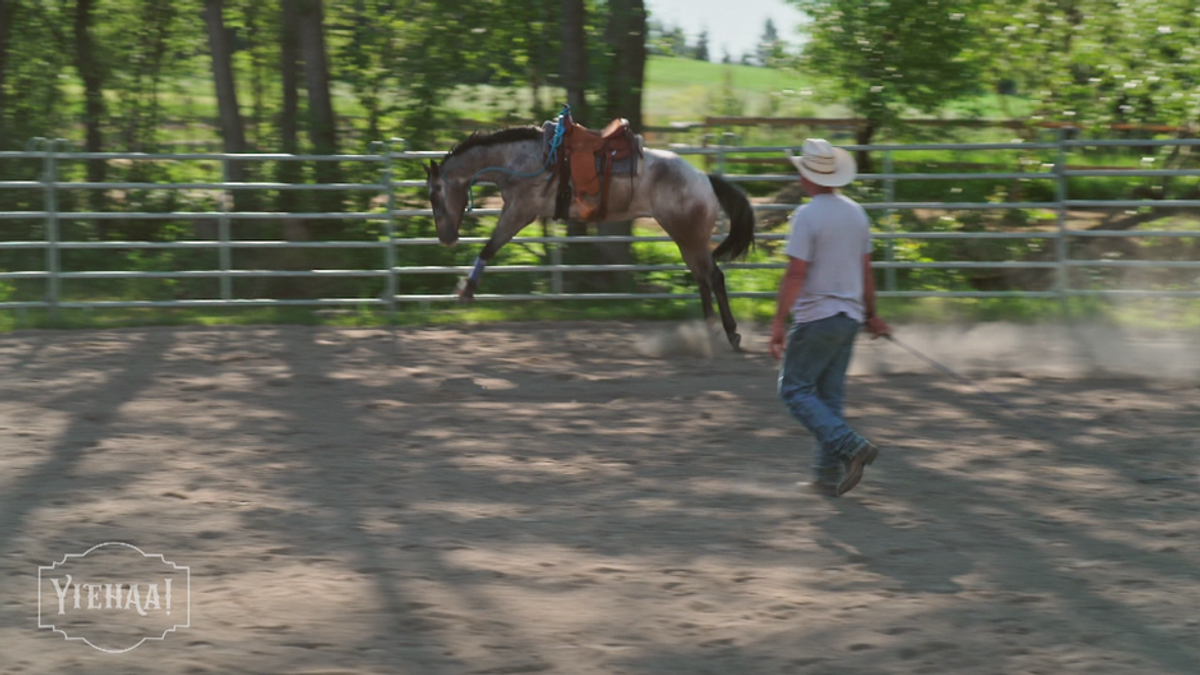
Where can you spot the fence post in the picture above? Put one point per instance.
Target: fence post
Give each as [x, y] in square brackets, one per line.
[889, 195]
[728, 139]
[53, 253]
[223, 234]
[1060, 242]
[389, 226]
[556, 259]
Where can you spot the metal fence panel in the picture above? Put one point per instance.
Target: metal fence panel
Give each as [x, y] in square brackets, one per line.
[387, 156]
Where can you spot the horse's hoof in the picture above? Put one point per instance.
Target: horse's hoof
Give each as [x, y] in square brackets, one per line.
[735, 341]
[465, 292]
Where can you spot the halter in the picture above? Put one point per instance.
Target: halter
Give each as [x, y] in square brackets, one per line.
[551, 159]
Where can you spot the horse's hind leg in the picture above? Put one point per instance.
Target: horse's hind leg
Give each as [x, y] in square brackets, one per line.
[711, 280]
[730, 325]
[699, 262]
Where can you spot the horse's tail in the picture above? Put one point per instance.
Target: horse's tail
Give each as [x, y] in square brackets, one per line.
[741, 220]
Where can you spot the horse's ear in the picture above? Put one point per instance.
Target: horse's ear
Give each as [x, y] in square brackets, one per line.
[432, 169]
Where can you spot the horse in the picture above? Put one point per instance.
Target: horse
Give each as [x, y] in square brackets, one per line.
[679, 196]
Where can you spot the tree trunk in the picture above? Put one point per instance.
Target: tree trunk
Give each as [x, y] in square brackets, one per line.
[539, 57]
[88, 65]
[574, 59]
[8, 12]
[292, 172]
[233, 136]
[574, 76]
[578, 254]
[254, 42]
[626, 33]
[289, 172]
[863, 136]
[322, 129]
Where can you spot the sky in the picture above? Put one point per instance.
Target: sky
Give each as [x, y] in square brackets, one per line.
[735, 25]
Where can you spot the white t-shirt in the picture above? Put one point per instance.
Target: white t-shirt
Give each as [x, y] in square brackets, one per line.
[831, 233]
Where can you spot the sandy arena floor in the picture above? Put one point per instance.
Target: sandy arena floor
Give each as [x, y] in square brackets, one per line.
[606, 498]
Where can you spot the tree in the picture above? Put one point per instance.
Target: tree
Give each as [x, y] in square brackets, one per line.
[89, 64]
[366, 55]
[289, 128]
[700, 53]
[654, 38]
[1097, 62]
[575, 80]
[8, 12]
[258, 41]
[322, 125]
[542, 48]
[141, 60]
[626, 63]
[233, 136]
[574, 57]
[770, 47]
[674, 42]
[887, 57]
[664, 40]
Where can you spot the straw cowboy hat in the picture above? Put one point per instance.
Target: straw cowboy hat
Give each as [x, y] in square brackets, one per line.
[824, 164]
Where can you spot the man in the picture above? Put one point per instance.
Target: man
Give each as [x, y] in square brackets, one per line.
[829, 291]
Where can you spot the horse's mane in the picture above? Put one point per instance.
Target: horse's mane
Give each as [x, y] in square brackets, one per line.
[481, 139]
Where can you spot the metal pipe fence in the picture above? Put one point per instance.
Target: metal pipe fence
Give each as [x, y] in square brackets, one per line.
[1050, 168]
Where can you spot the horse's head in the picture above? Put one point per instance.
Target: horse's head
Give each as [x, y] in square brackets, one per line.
[449, 200]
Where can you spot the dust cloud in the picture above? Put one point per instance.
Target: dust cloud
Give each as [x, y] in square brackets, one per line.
[1008, 349]
[979, 350]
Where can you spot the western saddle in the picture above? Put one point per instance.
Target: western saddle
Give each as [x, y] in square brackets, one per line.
[586, 163]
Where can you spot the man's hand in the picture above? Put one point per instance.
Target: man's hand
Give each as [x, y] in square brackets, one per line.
[778, 340]
[789, 289]
[877, 327]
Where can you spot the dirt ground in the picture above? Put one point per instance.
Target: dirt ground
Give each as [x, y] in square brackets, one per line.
[606, 498]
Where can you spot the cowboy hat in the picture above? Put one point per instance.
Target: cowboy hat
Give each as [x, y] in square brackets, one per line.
[824, 164]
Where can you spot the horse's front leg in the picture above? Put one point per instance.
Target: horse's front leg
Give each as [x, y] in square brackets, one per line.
[512, 221]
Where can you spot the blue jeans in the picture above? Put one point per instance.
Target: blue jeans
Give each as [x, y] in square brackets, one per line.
[812, 383]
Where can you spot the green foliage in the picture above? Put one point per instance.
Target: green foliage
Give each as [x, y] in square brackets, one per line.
[772, 50]
[666, 41]
[33, 96]
[366, 45]
[888, 57]
[1094, 62]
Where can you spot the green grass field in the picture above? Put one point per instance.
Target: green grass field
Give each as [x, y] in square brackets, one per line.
[685, 90]
[676, 90]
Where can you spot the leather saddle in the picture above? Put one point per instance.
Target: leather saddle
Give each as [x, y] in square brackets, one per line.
[587, 161]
